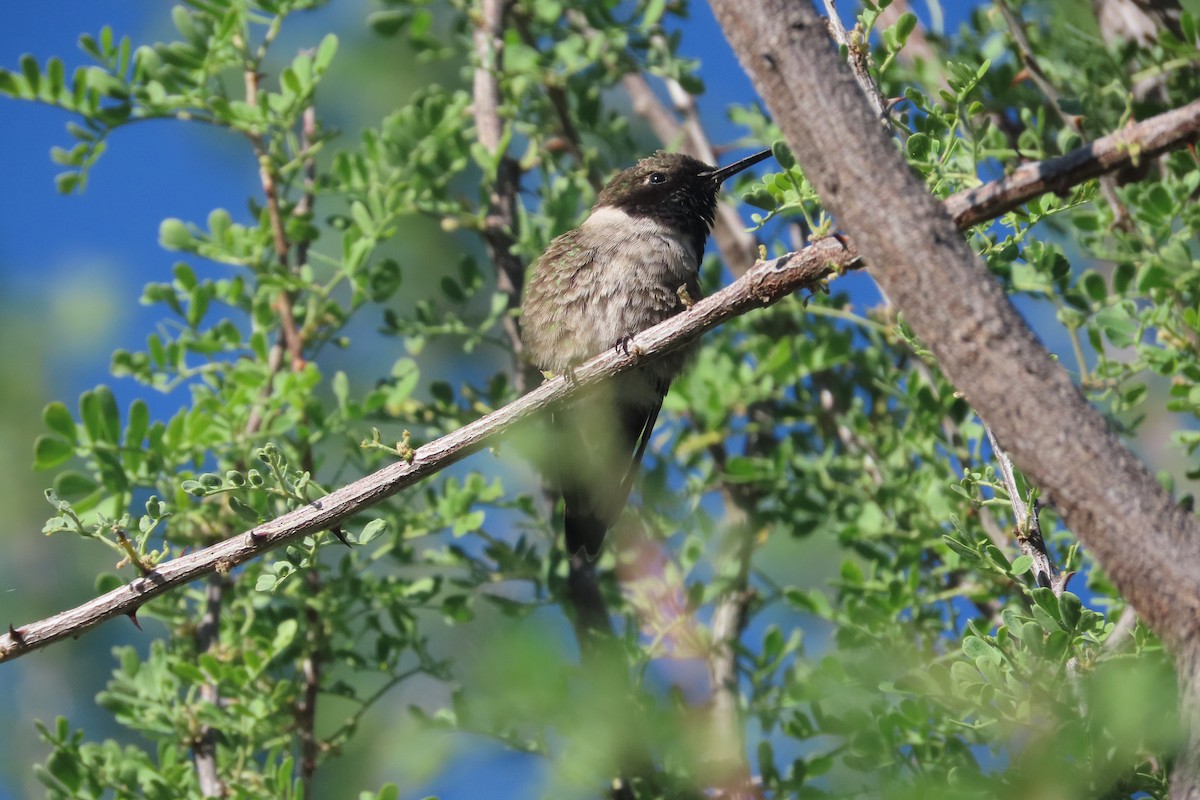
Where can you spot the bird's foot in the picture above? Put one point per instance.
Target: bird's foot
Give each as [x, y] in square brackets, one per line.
[685, 297]
[626, 346]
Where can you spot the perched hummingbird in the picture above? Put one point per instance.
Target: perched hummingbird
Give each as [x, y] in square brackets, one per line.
[633, 263]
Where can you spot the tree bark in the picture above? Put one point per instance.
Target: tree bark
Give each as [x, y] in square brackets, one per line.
[1147, 543]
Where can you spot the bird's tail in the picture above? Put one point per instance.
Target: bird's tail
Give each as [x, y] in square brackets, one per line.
[584, 529]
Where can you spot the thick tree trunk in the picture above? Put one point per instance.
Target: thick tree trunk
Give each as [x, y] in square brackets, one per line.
[1148, 545]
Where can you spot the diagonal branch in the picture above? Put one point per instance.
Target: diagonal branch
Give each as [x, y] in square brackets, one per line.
[1108, 186]
[1029, 528]
[766, 283]
[858, 58]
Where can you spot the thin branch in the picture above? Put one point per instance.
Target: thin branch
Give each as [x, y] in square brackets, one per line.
[858, 57]
[500, 220]
[310, 678]
[730, 615]
[1108, 186]
[204, 748]
[1029, 538]
[1127, 146]
[207, 636]
[270, 187]
[304, 208]
[1029, 528]
[310, 666]
[766, 283]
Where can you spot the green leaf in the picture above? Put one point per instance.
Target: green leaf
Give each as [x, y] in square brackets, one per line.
[973, 647]
[101, 419]
[138, 424]
[1094, 286]
[67, 182]
[1117, 323]
[66, 769]
[1071, 609]
[783, 155]
[362, 218]
[963, 549]
[919, 146]
[173, 234]
[58, 419]
[1021, 565]
[285, 634]
[33, 76]
[371, 530]
[244, 511]
[9, 84]
[760, 198]
[654, 13]
[389, 22]
[1046, 601]
[406, 375]
[74, 486]
[325, 53]
[50, 451]
[904, 28]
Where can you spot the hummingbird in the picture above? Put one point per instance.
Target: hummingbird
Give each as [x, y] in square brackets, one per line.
[632, 263]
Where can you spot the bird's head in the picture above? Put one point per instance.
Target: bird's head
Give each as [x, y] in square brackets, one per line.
[672, 187]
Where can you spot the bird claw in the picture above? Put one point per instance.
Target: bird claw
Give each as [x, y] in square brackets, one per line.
[685, 297]
[626, 346]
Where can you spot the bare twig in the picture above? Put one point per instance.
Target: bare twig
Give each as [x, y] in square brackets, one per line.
[730, 615]
[766, 283]
[270, 187]
[204, 748]
[1156, 135]
[310, 667]
[500, 221]
[1029, 527]
[207, 635]
[310, 680]
[858, 57]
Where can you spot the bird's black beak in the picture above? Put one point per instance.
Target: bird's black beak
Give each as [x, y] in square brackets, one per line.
[719, 175]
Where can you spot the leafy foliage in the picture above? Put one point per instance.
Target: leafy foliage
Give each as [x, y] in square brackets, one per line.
[815, 467]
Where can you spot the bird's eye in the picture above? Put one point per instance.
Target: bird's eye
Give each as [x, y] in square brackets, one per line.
[657, 177]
